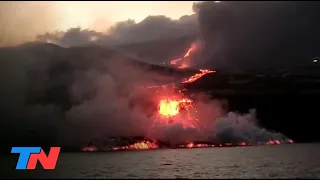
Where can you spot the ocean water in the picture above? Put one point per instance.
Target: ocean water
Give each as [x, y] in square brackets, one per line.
[281, 161]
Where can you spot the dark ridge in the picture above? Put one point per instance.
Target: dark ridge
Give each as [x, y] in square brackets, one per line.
[157, 52]
[285, 102]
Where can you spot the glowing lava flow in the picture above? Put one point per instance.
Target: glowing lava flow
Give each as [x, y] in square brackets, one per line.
[169, 108]
[204, 145]
[148, 145]
[180, 63]
[143, 145]
[197, 76]
[89, 149]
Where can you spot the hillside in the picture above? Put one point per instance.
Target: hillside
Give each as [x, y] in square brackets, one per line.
[45, 83]
[49, 70]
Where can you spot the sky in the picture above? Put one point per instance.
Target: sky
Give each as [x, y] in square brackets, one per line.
[98, 15]
[23, 20]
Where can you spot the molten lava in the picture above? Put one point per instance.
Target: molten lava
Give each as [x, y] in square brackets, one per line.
[194, 145]
[138, 146]
[181, 62]
[191, 49]
[148, 145]
[197, 76]
[243, 144]
[89, 149]
[169, 108]
[273, 142]
[190, 145]
[176, 61]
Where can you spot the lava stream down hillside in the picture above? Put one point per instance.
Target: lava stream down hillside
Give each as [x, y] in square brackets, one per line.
[176, 108]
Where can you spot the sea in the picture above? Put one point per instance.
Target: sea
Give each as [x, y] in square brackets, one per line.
[268, 161]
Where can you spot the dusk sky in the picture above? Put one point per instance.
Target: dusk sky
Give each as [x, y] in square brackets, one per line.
[99, 14]
[22, 21]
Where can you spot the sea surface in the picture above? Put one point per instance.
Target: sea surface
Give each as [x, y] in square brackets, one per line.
[270, 161]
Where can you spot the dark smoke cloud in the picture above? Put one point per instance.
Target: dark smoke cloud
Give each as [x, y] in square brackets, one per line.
[151, 28]
[243, 35]
[237, 36]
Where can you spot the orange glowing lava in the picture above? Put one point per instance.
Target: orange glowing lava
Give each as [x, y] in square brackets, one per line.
[197, 75]
[181, 62]
[190, 145]
[194, 145]
[174, 62]
[202, 145]
[243, 144]
[169, 108]
[191, 49]
[184, 62]
[143, 145]
[273, 142]
[89, 149]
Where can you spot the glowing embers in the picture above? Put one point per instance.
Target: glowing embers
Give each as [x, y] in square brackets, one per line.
[169, 107]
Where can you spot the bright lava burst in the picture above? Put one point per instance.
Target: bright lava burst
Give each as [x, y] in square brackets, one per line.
[169, 108]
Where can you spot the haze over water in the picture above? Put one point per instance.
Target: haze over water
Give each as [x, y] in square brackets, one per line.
[282, 161]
